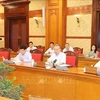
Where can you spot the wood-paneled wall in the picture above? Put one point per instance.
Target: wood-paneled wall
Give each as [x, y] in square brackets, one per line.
[55, 21]
[56, 12]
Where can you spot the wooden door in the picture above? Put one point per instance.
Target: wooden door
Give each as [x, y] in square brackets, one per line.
[17, 34]
[16, 19]
[98, 29]
[96, 23]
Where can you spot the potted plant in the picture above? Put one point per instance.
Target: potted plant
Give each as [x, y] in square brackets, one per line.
[7, 87]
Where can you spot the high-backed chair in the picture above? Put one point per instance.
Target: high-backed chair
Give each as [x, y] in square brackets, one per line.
[41, 48]
[99, 52]
[36, 51]
[78, 50]
[5, 49]
[71, 58]
[37, 56]
[4, 52]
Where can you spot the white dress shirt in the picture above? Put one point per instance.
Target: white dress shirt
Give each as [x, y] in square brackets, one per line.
[26, 56]
[61, 58]
[97, 64]
[70, 49]
[49, 51]
[33, 48]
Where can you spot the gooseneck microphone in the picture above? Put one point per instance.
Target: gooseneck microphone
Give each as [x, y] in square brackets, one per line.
[54, 62]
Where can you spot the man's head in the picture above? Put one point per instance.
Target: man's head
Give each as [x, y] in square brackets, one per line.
[67, 45]
[52, 45]
[31, 44]
[22, 49]
[57, 49]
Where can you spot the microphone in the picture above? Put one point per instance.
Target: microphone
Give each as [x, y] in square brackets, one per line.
[54, 62]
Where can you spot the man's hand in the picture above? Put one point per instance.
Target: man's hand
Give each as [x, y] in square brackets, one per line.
[22, 59]
[51, 64]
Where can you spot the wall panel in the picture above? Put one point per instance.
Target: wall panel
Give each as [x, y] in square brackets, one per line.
[83, 30]
[37, 4]
[36, 32]
[53, 2]
[35, 29]
[87, 9]
[73, 3]
[38, 41]
[1, 27]
[2, 42]
[53, 24]
[1, 9]
[2, 33]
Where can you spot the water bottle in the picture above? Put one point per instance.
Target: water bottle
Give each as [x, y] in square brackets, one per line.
[98, 70]
[32, 63]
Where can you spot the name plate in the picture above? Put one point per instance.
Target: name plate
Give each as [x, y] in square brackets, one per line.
[90, 70]
[38, 98]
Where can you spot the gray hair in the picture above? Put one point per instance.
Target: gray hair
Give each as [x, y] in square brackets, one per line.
[57, 45]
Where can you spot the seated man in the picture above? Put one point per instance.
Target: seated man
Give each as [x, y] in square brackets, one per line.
[68, 48]
[23, 55]
[57, 58]
[31, 47]
[50, 50]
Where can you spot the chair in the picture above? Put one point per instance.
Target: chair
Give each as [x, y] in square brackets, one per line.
[5, 49]
[37, 57]
[36, 51]
[71, 58]
[78, 50]
[40, 48]
[4, 52]
[99, 52]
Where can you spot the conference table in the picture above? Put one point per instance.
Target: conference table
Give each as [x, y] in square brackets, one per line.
[87, 62]
[72, 84]
[82, 62]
